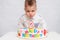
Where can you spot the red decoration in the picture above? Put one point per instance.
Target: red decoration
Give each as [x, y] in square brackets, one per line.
[32, 35]
[45, 32]
[26, 31]
[19, 34]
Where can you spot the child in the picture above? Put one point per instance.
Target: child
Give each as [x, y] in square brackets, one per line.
[31, 19]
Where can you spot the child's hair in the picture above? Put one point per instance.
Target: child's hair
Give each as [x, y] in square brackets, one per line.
[30, 2]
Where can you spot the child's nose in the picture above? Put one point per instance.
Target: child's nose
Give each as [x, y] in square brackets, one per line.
[30, 12]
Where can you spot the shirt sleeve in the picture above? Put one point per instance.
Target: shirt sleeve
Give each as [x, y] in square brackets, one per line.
[20, 23]
[42, 23]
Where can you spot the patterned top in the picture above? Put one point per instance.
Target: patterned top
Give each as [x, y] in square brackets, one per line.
[37, 22]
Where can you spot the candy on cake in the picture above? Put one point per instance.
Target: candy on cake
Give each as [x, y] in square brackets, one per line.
[32, 32]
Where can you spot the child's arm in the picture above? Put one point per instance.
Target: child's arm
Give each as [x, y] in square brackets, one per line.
[20, 23]
[42, 23]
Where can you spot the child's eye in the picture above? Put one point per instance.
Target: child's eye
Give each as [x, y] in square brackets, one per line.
[28, 11]
[33, 10]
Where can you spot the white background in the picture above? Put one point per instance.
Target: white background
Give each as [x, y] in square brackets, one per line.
[11, 10]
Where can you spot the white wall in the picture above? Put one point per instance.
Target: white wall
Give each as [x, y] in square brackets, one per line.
[11, 10]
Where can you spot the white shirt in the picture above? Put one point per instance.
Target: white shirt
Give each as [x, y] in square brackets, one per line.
[37, 21]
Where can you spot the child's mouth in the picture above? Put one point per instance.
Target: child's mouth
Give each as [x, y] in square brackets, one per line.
[31, 16]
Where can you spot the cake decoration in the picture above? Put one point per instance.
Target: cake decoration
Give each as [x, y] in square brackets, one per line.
[32, 32]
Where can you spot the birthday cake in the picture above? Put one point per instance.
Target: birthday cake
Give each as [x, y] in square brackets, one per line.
[31, 32]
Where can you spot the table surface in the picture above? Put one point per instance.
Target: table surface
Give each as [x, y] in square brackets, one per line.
[13, 36]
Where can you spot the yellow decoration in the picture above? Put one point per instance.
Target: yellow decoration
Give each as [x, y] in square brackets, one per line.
[31, 30]
[37, 35]
[26, 35]
[39, 28]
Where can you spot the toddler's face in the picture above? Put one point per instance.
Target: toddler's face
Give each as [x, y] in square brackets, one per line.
[30, 11]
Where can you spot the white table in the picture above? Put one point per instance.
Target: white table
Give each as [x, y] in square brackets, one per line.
[13, 36]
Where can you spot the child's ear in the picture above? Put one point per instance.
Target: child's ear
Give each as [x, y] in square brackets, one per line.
[24, 8]
[36, 8]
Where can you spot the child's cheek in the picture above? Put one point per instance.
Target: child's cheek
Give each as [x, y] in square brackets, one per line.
[27, 14]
